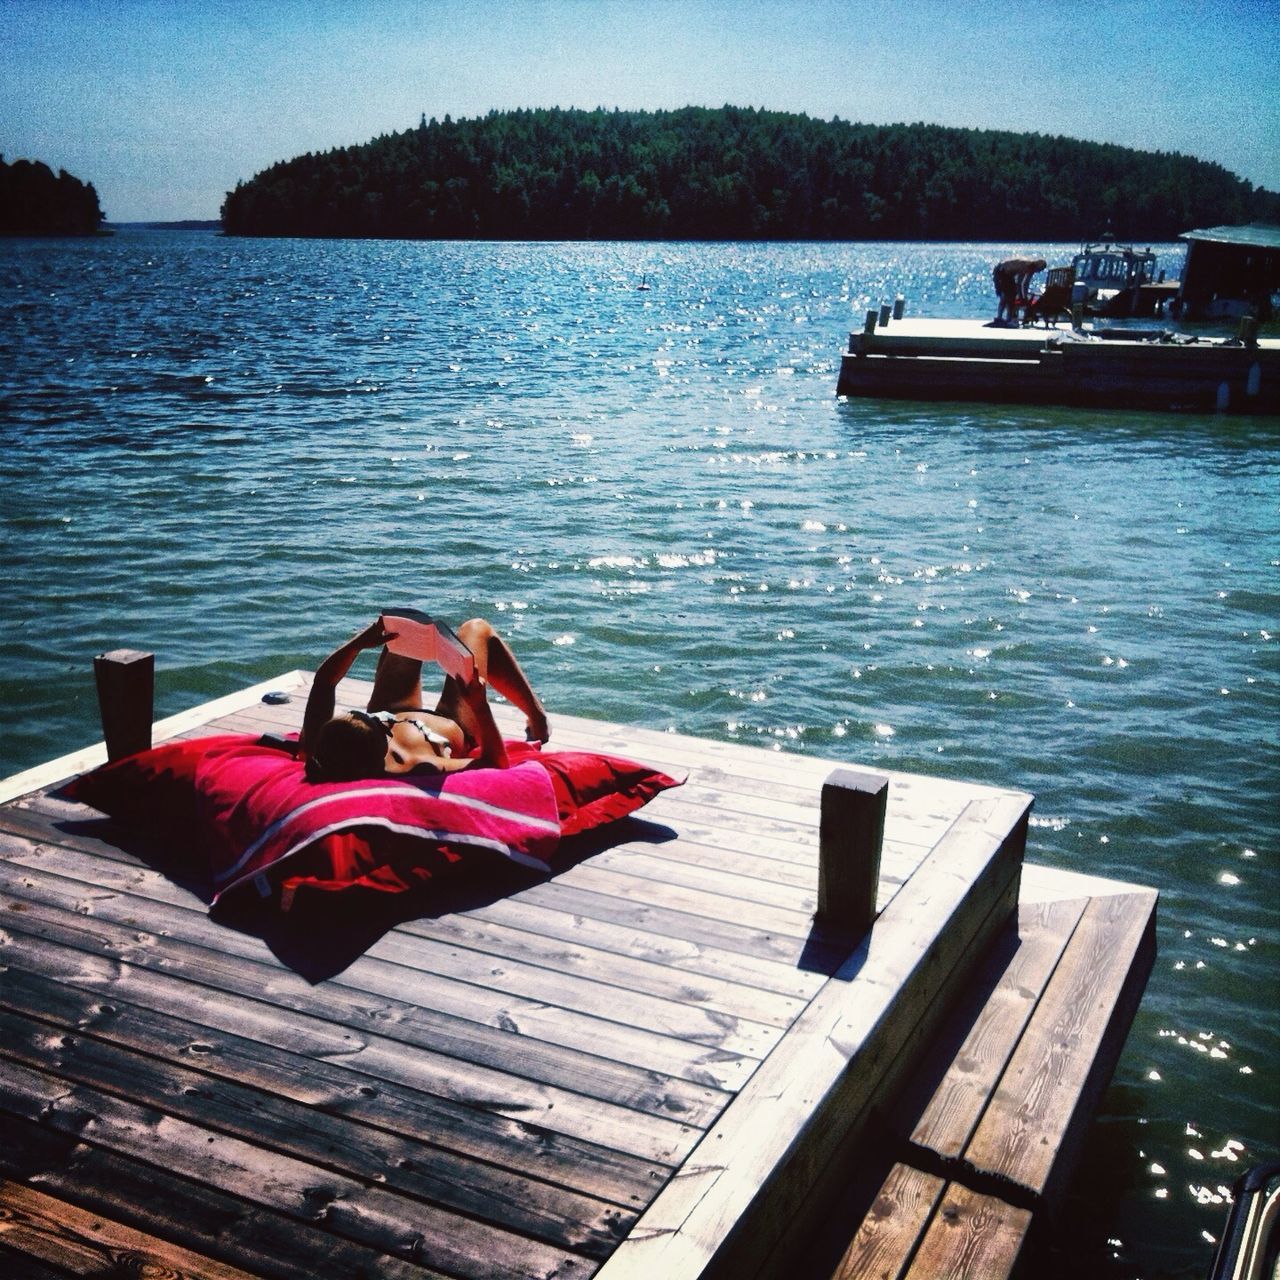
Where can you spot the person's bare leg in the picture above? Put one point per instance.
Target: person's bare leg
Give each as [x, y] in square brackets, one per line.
[468, 707]
[397, 683]
[498, 667]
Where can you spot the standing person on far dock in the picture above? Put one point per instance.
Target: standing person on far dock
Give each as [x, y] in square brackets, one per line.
[1012, 279]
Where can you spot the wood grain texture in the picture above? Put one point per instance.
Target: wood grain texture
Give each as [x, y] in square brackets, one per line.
[1000, 1102]
[736, 1196]
[42, 1228]
[888, 1236]
[654, 1046]
[297, 1188]
[971, 1236]
[1046, 1096]
[1000, 1002]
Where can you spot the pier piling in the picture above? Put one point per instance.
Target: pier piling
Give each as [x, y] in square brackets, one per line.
[126, 681]
[851, 832]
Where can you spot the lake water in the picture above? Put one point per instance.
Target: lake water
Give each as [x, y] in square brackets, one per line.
[232, 453]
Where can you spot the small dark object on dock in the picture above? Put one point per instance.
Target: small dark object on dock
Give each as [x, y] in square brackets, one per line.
[275, 697]
[1055, 301]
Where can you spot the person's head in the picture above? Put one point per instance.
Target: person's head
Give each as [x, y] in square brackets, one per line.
[348, 747]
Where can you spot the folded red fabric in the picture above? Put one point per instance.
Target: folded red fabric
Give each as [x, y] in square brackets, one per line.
[593, 788]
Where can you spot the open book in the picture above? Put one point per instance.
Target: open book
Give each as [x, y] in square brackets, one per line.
[418, 635]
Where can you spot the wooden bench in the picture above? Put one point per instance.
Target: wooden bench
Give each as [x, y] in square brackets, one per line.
[986, 1135]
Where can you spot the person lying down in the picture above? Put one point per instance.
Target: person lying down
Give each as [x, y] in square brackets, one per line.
[397, 734]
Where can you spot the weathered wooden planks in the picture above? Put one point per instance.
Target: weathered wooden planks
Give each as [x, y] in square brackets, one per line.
[39, 1226]
[1032, 1131]
[384, 1033]
[500, 1090]
[302, 1072]
[991, 1125]
[1002, 997]
[889, 1234]
[282, 1180]
[923, 1228]
[195, 1215]
[971, 1235]
[748, 1184]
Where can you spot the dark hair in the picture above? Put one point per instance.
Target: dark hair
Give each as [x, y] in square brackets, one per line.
[347, 748]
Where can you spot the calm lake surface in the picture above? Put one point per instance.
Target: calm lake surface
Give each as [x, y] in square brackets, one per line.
[232, 453]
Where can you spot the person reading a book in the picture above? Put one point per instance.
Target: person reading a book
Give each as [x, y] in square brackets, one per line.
[397, 734]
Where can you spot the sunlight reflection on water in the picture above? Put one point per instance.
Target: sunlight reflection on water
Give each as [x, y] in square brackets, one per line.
[230, 452]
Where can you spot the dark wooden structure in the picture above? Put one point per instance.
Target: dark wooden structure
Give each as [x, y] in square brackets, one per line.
[923, 359]
[1230, 271]
[653, 1063]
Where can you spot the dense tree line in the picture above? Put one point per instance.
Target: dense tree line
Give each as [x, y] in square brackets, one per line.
[33, 202]
[731, 174]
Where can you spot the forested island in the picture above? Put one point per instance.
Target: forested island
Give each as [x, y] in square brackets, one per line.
[35, 202]
[733, 174]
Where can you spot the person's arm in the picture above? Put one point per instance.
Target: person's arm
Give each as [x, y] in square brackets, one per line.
[321, 701]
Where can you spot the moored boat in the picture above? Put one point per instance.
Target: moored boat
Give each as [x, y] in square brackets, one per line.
[1115, 280]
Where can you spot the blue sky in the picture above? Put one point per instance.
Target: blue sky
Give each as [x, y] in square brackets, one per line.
[165, 104]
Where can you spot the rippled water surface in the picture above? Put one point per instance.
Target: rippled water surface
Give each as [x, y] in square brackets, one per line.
[233, 452]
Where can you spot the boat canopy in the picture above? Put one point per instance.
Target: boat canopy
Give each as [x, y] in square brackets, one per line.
[1112, 266]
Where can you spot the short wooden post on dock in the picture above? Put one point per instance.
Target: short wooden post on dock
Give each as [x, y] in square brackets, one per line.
[126, 683]
[851, 832]
[885, 312]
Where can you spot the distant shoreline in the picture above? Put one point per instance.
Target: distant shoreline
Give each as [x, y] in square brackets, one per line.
[185, 224]
[215, 225]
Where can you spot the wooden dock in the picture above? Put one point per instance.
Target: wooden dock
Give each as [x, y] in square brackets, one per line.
[652, 1063]
[926, 359]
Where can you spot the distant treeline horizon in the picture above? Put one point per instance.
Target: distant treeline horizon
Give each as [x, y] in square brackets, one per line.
[734, 174]
[35, 202]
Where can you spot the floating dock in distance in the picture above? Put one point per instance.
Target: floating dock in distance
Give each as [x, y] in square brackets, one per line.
[924, 359]
[652, 1063]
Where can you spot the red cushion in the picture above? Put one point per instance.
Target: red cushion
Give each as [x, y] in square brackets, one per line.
[235, 791]
[258, 813]
[593, 788]
[151, 788]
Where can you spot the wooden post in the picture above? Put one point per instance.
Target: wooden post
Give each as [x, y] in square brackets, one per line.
[1079, 291]
[885, 313]
[126, 681]
[899, 305]
[851, 832]
[869, 325]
